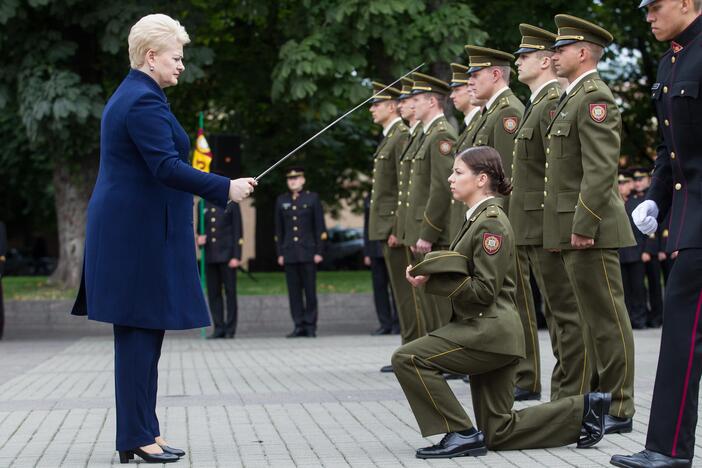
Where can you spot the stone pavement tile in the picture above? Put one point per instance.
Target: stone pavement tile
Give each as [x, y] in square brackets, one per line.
[260, 402]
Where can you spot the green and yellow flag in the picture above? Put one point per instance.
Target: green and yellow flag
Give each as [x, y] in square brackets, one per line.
[202, 155]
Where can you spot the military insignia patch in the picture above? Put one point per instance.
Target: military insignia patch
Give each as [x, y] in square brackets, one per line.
[598, 112]
[491, 243]
[510, 124]
[445, 147]
[551, 114]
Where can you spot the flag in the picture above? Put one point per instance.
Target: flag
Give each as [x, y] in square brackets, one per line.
[202, 155]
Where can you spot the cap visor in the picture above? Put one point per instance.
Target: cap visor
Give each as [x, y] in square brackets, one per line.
[563, 42]
[524, 50]
[474, 69]
[457, 85]
[645, 3]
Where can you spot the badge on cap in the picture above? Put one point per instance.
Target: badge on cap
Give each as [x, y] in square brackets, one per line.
[598, 112]
[491, 243]
[510, 124]
[445, 147]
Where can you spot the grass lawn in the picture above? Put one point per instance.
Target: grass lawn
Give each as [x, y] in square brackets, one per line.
[27, 288]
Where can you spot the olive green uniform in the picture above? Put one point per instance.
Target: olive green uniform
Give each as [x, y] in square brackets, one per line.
[428, 202]
[571, 374]
[458, 209]
[581, 197]
[412, 324]
[381, 221]
[484, 339]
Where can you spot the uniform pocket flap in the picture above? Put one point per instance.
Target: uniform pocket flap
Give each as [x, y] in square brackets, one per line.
[525, 134]
[533, 201]
[567, 202]
[560, 129]
[481, 140]
[688, 89]
[386, 209]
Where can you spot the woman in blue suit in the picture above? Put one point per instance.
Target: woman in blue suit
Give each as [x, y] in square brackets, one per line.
[140, 272]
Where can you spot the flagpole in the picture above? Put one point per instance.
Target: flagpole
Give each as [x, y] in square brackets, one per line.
[201, 215]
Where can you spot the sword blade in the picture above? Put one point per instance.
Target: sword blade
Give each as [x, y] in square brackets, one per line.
[339, 119]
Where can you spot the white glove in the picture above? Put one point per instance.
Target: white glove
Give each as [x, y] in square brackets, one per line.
[644, 217]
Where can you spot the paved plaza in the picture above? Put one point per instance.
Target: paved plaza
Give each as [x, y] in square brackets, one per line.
[252, 402]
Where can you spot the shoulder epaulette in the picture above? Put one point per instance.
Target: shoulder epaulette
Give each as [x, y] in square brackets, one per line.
[590, 85]
[553, 94]
[492, 212]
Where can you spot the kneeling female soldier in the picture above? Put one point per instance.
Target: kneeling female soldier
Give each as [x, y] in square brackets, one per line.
[484, 338]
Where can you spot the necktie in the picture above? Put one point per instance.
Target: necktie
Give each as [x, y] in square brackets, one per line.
[562, 98]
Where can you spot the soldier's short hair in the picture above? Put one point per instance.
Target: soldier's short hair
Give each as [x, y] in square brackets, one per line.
[596, 51]
[506, 72]
[441, 100]
[157, 32]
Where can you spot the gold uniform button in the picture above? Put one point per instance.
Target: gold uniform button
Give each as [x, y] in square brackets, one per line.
[294, 218]
[542, 205]
[545, 179]
[548, 150]
[682, 92]
[294, 207]
[212, 210]
[672, 155]
[407, 204]
[213, 229]
[678, 186]
[514, 153]
[295, 239]
[214, 239]
[545, 193]
[549, 137]
[546, 166]
[480, 314]
[667, 122]
[672, 59]
[665, 89]
[294, 228]
[213, 219]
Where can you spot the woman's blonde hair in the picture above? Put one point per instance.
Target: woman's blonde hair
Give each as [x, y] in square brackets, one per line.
[155, 32]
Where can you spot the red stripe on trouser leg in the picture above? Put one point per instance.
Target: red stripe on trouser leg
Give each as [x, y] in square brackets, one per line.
[687, 375]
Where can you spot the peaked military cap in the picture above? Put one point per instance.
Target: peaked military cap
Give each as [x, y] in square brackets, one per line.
[380, 94]
[482, 57]
[645, 3]
[534, 39]
[572, 29]
[295, 171]
[624, 176]
[459, 75]
[406, 88]
[640, 173]
[428, 84]
[441, 261]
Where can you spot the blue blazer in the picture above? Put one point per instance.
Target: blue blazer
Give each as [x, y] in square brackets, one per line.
[139, 267]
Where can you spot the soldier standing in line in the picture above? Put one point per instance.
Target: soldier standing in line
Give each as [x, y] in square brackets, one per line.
[412, 320]
[223, 238]
[649, 257]
[489, 77]
[464, 101]
[584, 216]
[571, 373]
[429, 198]
[675, 191]
[384, 196]
[630, 260]
[300, 234]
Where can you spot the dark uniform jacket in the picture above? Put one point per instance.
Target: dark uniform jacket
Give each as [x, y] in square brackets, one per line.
[299, 227]
[526, 204]
[386, 167]
[224, 231]
[581, 194]
[677, 178]
[483, 296]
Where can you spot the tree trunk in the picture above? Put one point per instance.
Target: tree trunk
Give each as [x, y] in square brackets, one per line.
[72, 189]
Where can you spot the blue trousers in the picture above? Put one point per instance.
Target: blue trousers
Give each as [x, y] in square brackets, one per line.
[137, 351]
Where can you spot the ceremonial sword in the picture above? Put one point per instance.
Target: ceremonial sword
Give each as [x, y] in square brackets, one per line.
[281, 160]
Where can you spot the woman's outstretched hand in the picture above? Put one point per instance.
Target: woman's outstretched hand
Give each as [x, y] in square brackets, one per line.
[241, 188]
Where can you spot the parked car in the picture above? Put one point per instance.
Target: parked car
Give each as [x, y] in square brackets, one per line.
[344, 249]
[21, 264]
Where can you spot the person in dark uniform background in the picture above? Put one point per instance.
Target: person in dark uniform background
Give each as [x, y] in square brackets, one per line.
[676, 191]
[382, 292]
[649, 257]
[630, 259]
[223, 239]
[300, 235]
[3, 251]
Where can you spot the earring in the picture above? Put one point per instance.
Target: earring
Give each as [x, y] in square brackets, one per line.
[151, 68]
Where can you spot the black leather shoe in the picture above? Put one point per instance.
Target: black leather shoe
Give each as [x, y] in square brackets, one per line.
[230, 335]
[522, 395]
[455, 445]
[615, 425]
[216, 336]
[296, 333]
[649, 459]
[387, 369]
[381, 331]
[310, 334]
[125, 456]
[175, 451]
[594, 411]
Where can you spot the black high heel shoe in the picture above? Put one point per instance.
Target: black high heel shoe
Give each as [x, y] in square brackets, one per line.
[175, 451]
[125, 456]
